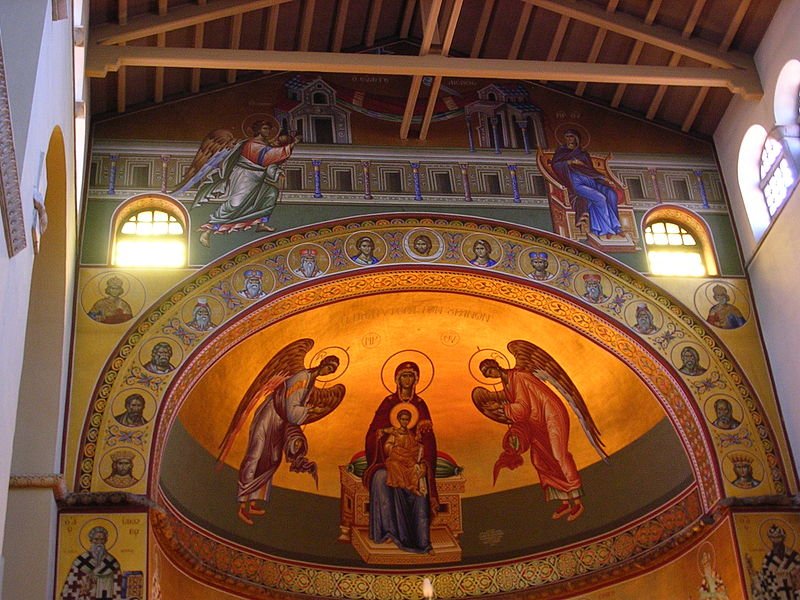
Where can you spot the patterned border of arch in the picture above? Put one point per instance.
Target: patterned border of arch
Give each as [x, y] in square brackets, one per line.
[613, 556]
[681, 395]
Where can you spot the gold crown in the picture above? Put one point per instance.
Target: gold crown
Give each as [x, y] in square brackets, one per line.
[738, 459]
[122, 455]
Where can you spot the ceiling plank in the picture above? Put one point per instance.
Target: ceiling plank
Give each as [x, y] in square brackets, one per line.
[733, 28]
[558, 38]
[122, 12]
[102, 59]
[483, 25]
[657, 35]
[638, 46]
[236, 40]
[597, 45]
[305, 28]
[675, 59]
[519, 34]
[450, 31]
[271, 33]
[372, 22]
[186, 15]
[338, 26]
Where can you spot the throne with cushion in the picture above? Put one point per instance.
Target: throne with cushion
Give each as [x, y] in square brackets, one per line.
[446, 527]
[570, 221]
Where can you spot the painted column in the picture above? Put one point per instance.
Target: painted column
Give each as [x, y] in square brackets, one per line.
[514, 183]
[465, 181]
[164, 162]
[494, 121]
[317, 178]
[112, 174]
[702, 187]
[469, 134]
[417, 185]
[654, 179]
[367, 182]
[523, 125]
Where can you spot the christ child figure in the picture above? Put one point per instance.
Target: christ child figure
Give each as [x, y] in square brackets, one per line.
[405, 467]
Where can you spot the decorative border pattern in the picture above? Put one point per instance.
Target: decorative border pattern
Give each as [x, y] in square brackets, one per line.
[10, 198]
[232, 568]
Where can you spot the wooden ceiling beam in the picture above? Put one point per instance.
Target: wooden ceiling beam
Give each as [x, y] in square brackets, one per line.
[161, 42]
[450, 30]
[636, 51]
[236, 40]
[519, 34]
[597, 45]
[430, 25]
[733, 28]
[408, 16]
[675, 59]
[103, 59]
[186, 15]
[199, 35]
[656, 35]
[305, 27]
[483, 25]
[338, 26]
[372, 22]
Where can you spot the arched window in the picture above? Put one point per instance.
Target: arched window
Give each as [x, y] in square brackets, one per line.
[778, 171]
[678, 242]
[319, 98]
[150, 231]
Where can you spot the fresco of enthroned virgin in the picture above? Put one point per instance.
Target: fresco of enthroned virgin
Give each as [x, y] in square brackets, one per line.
[587, 202]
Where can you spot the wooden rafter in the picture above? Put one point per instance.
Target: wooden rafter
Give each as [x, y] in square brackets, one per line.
[408, 15]
[519, 34]
[430, 21]
[636, 51]
[447, 41]
[199, 35]
[102, 59]
[483, 25]
[339, 25]
[372, 22]
[675, 59]
[235, 41]
[305, 27]
[648, 33]
[597, 45]
[733, 28]
[186, 15]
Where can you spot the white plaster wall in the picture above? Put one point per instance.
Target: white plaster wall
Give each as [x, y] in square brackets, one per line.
[38, 53]
[773, 266]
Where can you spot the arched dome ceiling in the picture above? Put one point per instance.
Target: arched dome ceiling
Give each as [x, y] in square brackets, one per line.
[664, 471]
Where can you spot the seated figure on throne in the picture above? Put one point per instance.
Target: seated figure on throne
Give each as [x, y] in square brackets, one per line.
[401, 474]
[591, 194]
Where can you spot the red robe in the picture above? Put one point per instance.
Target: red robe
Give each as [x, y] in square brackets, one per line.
[538, 412]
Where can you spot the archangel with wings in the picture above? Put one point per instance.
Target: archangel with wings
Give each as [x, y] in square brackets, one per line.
[538, 421]
[243, 174]
[287, 397]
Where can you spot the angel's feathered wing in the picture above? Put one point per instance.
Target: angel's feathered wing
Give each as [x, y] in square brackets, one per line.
[323, 401]
[284, 364]
[214, 148]
[535, 360]
[490, 404]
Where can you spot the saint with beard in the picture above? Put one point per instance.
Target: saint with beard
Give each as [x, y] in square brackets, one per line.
[95, 574]
[201, 316]
[308, 268]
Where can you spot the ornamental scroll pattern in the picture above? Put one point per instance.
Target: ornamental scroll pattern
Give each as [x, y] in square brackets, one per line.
[538, 576]
[560, 293]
